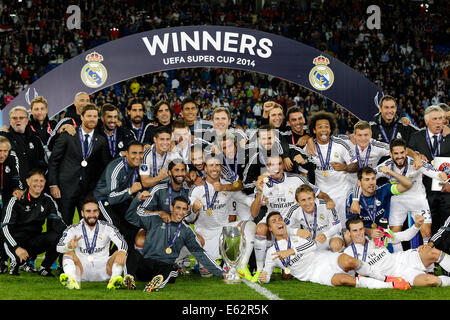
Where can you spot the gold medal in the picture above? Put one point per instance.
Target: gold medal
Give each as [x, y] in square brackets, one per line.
[374, 225]
[209, 212]
[169, 250]
[266, 180]
[287, 271]
[325, 173]
[235, 184]
[84, 163]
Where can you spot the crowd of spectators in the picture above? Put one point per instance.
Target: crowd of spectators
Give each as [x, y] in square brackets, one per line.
[407, 57]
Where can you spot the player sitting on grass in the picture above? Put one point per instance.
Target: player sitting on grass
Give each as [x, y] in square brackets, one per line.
[300, 257]
[412, 264]
[85, 246]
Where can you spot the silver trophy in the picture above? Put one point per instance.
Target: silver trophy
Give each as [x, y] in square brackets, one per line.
[232, 247]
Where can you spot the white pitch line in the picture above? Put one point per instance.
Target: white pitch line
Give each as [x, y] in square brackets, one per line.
[261, 290]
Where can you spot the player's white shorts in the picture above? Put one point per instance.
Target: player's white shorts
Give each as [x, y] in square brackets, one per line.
[400, 205]
[322, 269]
[95, 270]
[212, 239]
[408, 266]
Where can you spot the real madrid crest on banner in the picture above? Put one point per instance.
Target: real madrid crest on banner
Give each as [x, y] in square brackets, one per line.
[321, 76]
[94, 73]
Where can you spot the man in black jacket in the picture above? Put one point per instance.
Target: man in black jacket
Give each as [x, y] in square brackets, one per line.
[76, 164]
[26, 145]
[118, 137]
[39, 123]
[22, 221]
[431, 143]
[387, 125]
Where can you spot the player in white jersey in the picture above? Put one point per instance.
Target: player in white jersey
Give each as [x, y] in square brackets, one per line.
[411, 265]
[414, 200]
[367, 151]
[210, 203]
[310, 218]
[275, 190]
[300, 257]
[85, 246]
[154, 165]
[333, 161]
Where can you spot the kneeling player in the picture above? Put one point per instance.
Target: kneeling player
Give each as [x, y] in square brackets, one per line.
[412, 264]
[300, 257]
[91, 240]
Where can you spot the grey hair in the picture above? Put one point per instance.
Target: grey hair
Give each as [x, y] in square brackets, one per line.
[432, 109]
[18, 108]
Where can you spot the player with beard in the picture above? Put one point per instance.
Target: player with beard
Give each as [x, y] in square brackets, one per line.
[159, 199]
[210, 204]
[411, 265]
[118, 137]
[72, 118]
[162, 114]
[85, 246]
[414, 200]
[163, 243]
[39, 123]
[117, 185]
[196, 167]
[300, 257]
[275, 190]
[138, 123]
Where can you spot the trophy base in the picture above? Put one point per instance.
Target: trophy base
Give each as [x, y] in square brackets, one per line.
[232, 278]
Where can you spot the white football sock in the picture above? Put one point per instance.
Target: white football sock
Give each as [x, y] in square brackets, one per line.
[70, 269]
[445, 281]
[260, 251]
[116, 270]
[249, 233]
[369, 283]
[366, 270]
[444, 261]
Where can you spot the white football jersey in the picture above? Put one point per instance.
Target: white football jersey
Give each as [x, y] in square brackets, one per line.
[106, 233]
[327, 221]
[281, 196]
[418, 189]
[330, 181]
[220, 208]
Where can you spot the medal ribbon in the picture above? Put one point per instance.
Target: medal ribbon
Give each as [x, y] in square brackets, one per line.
[126, 167]
[90, 247]
[355, 252]
[112, 142]
[366, 160]
[171, 242]
[209, 205]
[372, 213]
[286, 262]
[234, 177]
[325, 165]
[313, 230]
[155, 166]
[383, 132]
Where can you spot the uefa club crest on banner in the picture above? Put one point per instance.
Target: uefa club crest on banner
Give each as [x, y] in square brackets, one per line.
[321, 77]
[94, 73]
